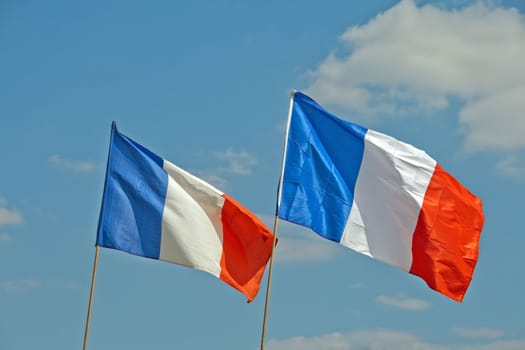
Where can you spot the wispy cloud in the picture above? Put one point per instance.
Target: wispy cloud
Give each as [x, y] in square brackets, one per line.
[383, 339]
[298, 244]
[296, 250]
[213, 179]
[229, 162]
[403, 302]
[434, 54]
[26, 284]
[72, 165]
[61, 284]
[358, 285]
[478, 333]
[360, 340]
[9, 216]
[281, 127]
[511, 166]
[21, 285]
[238, 162]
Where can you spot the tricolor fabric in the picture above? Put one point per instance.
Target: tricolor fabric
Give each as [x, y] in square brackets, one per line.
[154, 209]
[381, 197]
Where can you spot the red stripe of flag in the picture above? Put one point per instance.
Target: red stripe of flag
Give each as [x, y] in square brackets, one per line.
[446, 239]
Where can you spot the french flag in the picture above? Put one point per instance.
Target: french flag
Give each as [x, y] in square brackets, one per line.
[154, 209]
[380, 197]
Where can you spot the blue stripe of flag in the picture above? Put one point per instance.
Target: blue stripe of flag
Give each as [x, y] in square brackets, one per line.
[323, 158]
[133, 201]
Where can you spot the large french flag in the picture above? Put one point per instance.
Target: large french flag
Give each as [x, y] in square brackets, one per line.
[154, 209]
[379, 196]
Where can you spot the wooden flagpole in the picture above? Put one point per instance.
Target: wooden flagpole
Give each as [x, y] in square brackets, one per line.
[276, 221]
[93, 278]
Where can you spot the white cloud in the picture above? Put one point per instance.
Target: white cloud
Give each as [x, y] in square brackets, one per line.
[229, 162]
[382, 339]
[9, 216]
[239, 163]
[403, 302]
[4, 237]
[358, 285]
[72, 165]
[62, 284]
[478, 333]
[25, 284]
[496, 121]
[299, 244]
[498, 345]
[511, 166]
[22, 285]
[412, 59]
[359, 340]
[295, 250]
[213, 179]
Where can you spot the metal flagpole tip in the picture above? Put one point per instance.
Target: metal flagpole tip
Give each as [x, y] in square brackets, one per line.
[292, 92]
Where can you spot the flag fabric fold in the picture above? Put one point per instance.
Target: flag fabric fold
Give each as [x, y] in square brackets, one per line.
[379, 196]
[154, 209]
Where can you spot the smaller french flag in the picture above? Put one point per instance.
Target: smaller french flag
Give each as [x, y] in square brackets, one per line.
[154, 209]
[381, 197]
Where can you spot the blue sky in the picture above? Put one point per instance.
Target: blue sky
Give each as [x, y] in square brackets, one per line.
[206, 85]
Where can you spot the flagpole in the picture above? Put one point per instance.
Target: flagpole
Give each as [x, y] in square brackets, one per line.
[276, 221]
[93, 277]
